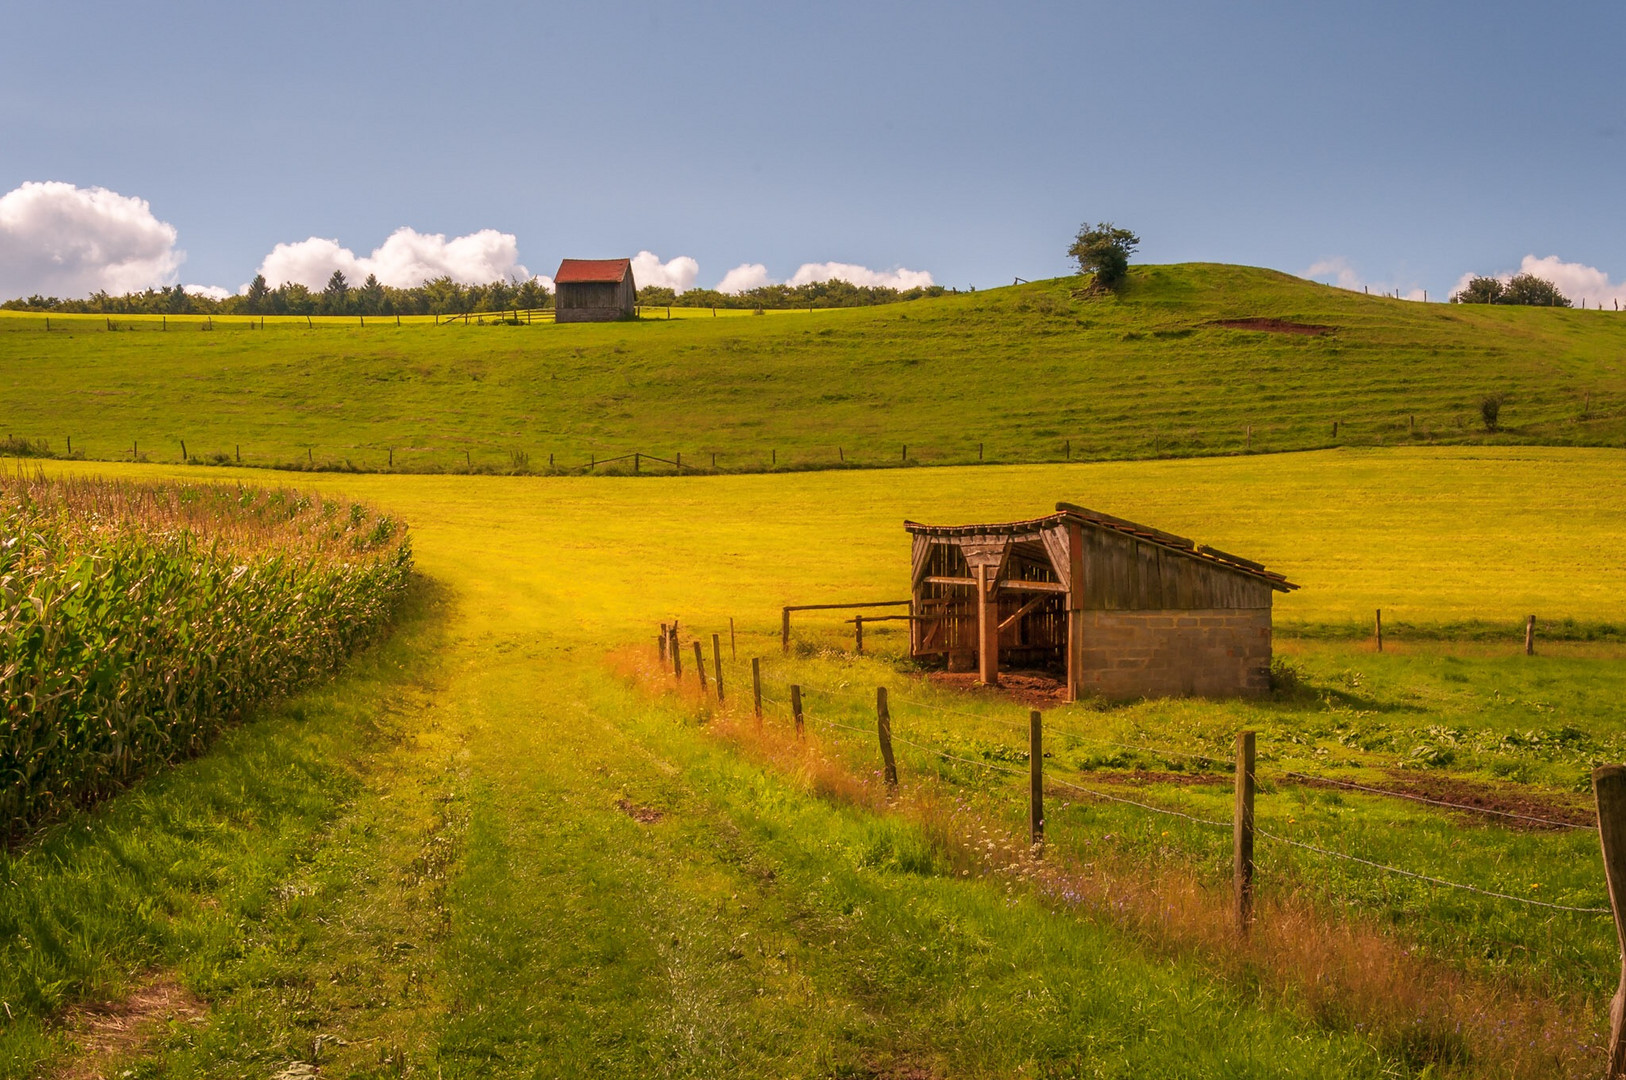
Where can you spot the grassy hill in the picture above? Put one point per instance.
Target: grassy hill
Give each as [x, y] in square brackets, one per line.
[1028, 373]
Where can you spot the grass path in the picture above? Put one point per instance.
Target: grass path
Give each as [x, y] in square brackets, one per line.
[425, 868]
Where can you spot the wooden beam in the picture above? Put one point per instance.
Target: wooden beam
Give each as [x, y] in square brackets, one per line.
[963, 582]
[987, 626]
[1021, 611]
[1051, 587]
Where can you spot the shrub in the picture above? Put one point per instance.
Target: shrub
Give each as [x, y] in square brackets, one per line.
[1490, 410]
[137, 621]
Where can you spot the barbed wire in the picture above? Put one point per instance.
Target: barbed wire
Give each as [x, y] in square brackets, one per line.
[1386, 868]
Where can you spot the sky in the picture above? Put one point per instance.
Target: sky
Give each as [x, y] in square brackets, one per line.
[1395, 147]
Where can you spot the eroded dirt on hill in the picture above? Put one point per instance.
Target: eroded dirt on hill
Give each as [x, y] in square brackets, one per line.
[1032, 688]
[1503, 804]
[1274, 326]
[107, 1033]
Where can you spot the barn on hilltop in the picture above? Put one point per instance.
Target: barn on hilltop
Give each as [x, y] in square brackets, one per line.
[594, 290]
[1129, 611]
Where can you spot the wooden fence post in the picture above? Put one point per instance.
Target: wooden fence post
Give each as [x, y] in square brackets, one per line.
[784, 630]
[756, 687]
[1035, 778]
[717, 664]
[1609, 789]
[677, 655]
[663, 644]
[1242, 831]
[883, 727]
[858, 634]
[183, 449]
[1377, 628]
[700, 664]
[796, 708]
[1530, 636]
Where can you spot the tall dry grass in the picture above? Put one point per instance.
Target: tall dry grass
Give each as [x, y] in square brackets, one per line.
[138, 620]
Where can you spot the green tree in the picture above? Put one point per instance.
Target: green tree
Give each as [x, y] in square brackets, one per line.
[1480, 290]
[336, 294]
[1104, 250]
[1526, 289]
[370, 297]
[254, 301]
[531, 295]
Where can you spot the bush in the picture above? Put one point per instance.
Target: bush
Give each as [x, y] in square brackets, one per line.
[1490, 410]
[137, 621]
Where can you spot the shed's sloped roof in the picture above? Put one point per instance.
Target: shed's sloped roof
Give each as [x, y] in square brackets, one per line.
[1068, 512]
[581, 271]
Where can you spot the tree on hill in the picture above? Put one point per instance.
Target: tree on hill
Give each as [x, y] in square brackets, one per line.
[1104, 250]
[1526, 289]
[370, 297]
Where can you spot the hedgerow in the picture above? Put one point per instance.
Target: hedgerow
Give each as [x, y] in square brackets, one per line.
[139, 620]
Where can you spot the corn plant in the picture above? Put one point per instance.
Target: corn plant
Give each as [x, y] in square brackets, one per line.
[138, 620]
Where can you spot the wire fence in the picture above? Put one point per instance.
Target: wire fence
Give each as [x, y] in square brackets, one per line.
[835, 696]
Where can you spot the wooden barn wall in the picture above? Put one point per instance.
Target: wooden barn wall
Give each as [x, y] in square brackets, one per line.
[1124, 574]
[589, 294]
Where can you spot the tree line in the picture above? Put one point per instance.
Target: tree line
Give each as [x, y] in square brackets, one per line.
[437, 296]
[834, 293]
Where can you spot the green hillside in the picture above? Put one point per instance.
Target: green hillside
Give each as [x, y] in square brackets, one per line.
[1027, 373]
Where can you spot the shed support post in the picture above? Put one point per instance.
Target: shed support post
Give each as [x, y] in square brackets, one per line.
[987, 625]
[1075, 612]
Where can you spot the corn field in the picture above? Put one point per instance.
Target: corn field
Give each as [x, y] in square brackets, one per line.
[138, 620]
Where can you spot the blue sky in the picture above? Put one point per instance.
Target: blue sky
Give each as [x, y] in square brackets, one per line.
[1413, 142]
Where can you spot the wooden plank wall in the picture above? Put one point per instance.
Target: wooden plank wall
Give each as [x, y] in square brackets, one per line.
[1125, 574]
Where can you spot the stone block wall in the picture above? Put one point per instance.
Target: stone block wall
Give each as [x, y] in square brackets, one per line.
[1212, 653]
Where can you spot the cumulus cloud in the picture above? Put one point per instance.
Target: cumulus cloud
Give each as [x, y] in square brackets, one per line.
[213, 292]
[748, 276]
[407, 259]
[744, 278]
[677, 275]
[1338, 271]
[808, 273]
[1577, 281]
[61, 240]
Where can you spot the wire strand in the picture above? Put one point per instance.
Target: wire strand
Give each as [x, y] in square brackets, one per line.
[1386, 868]
[1438, 802]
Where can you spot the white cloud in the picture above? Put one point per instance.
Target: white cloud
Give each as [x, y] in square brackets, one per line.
[808, 273]
[1577, 281]
[213, 292]
[743, 278]
[407, 259]
[62, 240]
[677, 275]
[1337, 271]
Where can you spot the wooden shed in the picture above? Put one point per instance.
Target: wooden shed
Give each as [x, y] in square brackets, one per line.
[1126, 610]
[594, 290]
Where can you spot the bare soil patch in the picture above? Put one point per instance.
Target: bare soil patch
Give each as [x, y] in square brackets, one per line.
[1274, 326]
[1143, 777]
[1509, 805]
[108, 1032]
[1034, 688]
[643, 815]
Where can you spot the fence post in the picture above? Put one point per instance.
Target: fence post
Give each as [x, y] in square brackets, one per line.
[677, 655]
[700, 664]
[663, 644]
[1609, 789]
[796, 708]
[1035, 778]
[784, 630]
[1242, 831]
[183, 449]
[756, 687]
[1377, 628]
[1530, 636]
[883, 727]
[858, 634]
[717, 664]
[733, 650]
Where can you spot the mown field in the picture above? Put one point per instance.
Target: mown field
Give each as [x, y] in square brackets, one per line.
[1023, 374]
[505, 845]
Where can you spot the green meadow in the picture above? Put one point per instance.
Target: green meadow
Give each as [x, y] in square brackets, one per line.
[1029, 373]
[506, 843]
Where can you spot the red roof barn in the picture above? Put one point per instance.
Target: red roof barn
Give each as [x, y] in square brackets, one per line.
[594, 290]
